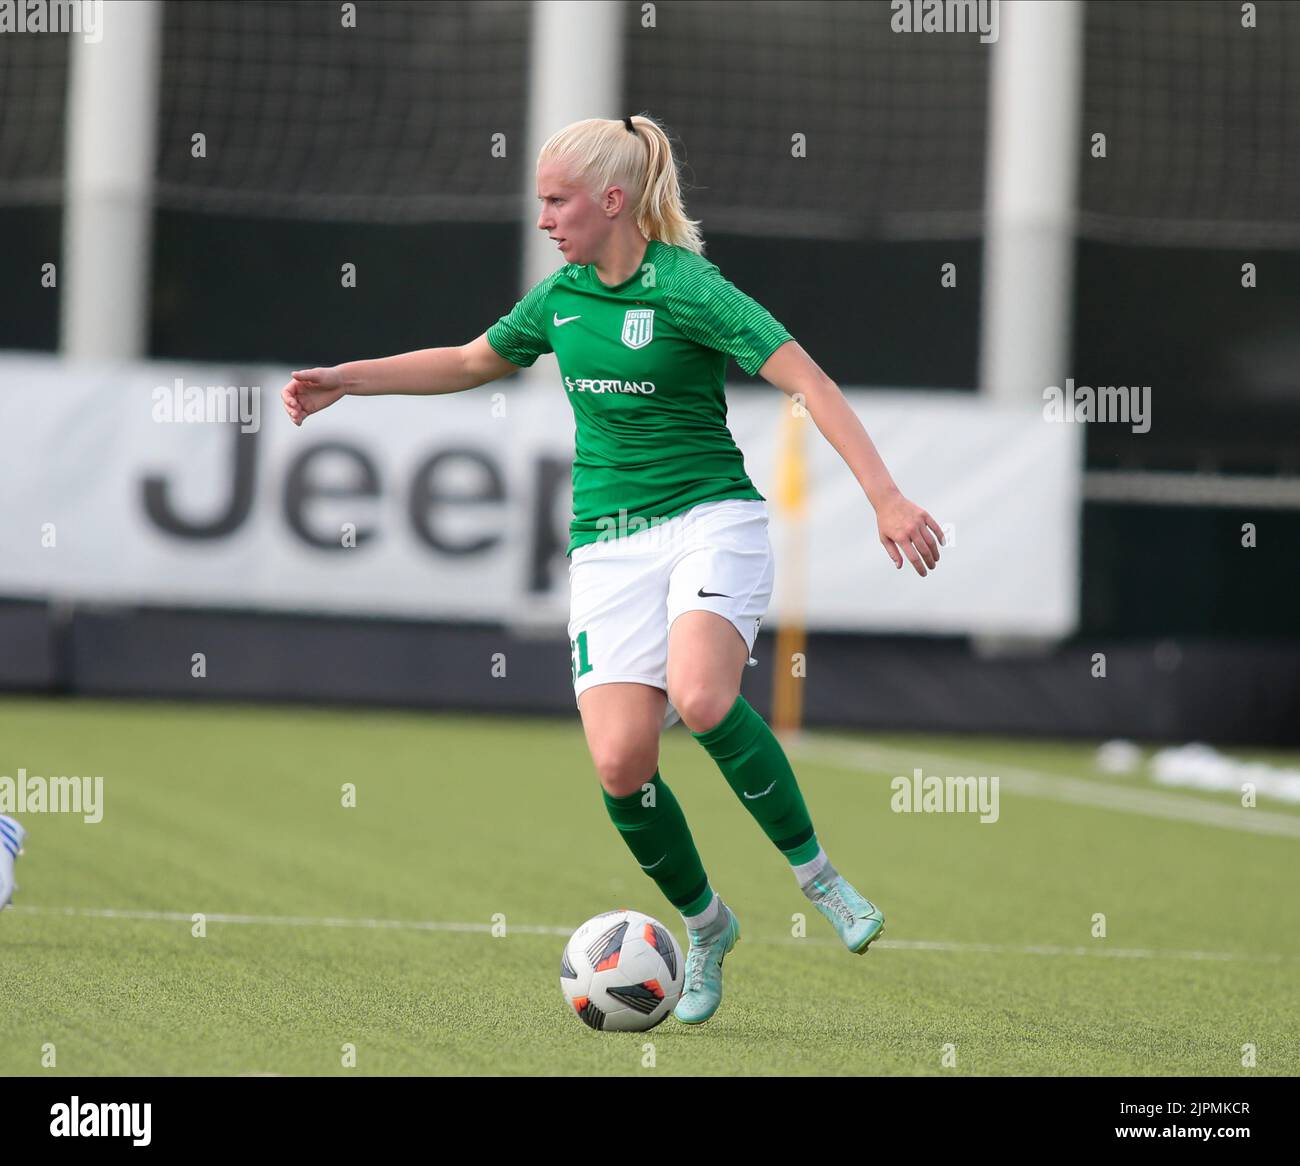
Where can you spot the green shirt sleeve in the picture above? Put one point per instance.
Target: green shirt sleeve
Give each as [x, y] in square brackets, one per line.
[713, 312]
[520, 335]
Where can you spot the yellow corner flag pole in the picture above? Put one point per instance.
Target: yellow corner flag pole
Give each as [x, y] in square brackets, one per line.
[791, 490]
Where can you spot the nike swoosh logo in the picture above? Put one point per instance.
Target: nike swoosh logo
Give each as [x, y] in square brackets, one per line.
[660, 859]
[766, 791]
[566, 319]
[708, 594]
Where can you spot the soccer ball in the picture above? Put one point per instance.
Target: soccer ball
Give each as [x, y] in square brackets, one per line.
[622, 971]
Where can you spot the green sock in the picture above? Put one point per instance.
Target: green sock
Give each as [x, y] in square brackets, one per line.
[661, 842]
[756, 767]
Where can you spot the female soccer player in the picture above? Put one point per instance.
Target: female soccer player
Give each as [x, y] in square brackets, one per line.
[670, 563]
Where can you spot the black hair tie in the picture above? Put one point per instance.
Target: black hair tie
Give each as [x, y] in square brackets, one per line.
[631, 129]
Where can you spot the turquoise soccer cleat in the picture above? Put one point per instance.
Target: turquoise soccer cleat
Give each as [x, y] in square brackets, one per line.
[702, 991]
[856, 918]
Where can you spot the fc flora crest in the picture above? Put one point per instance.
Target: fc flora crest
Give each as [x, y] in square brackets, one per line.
[638, 327]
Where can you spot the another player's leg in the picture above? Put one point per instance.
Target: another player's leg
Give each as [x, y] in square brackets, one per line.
[706, 655]
[623, 722]
[11, 846]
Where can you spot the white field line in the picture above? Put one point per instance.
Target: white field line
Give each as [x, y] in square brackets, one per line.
[1041, 949]
[1053, 787]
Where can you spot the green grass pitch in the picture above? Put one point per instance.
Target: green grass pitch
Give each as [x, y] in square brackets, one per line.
[370, 927]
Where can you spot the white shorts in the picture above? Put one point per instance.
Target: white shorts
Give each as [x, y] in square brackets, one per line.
[626, 592]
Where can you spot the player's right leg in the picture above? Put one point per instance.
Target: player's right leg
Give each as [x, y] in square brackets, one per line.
[623, 722]
[11, 846]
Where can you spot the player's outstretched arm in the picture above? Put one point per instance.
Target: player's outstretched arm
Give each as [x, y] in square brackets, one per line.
[902, 524]
[428, 370]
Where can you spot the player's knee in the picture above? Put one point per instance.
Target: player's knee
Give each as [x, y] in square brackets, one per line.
[702, 707]
[622, 770]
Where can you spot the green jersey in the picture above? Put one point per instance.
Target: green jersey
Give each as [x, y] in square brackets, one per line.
[643, 365]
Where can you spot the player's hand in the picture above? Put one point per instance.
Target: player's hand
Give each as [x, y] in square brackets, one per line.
[310, 391]
[905, 525]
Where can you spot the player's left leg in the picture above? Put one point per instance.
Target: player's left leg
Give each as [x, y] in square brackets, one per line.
[709, 641]
[705, 657]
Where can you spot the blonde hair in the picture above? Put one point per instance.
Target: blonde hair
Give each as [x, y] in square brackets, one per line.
[599, 153]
